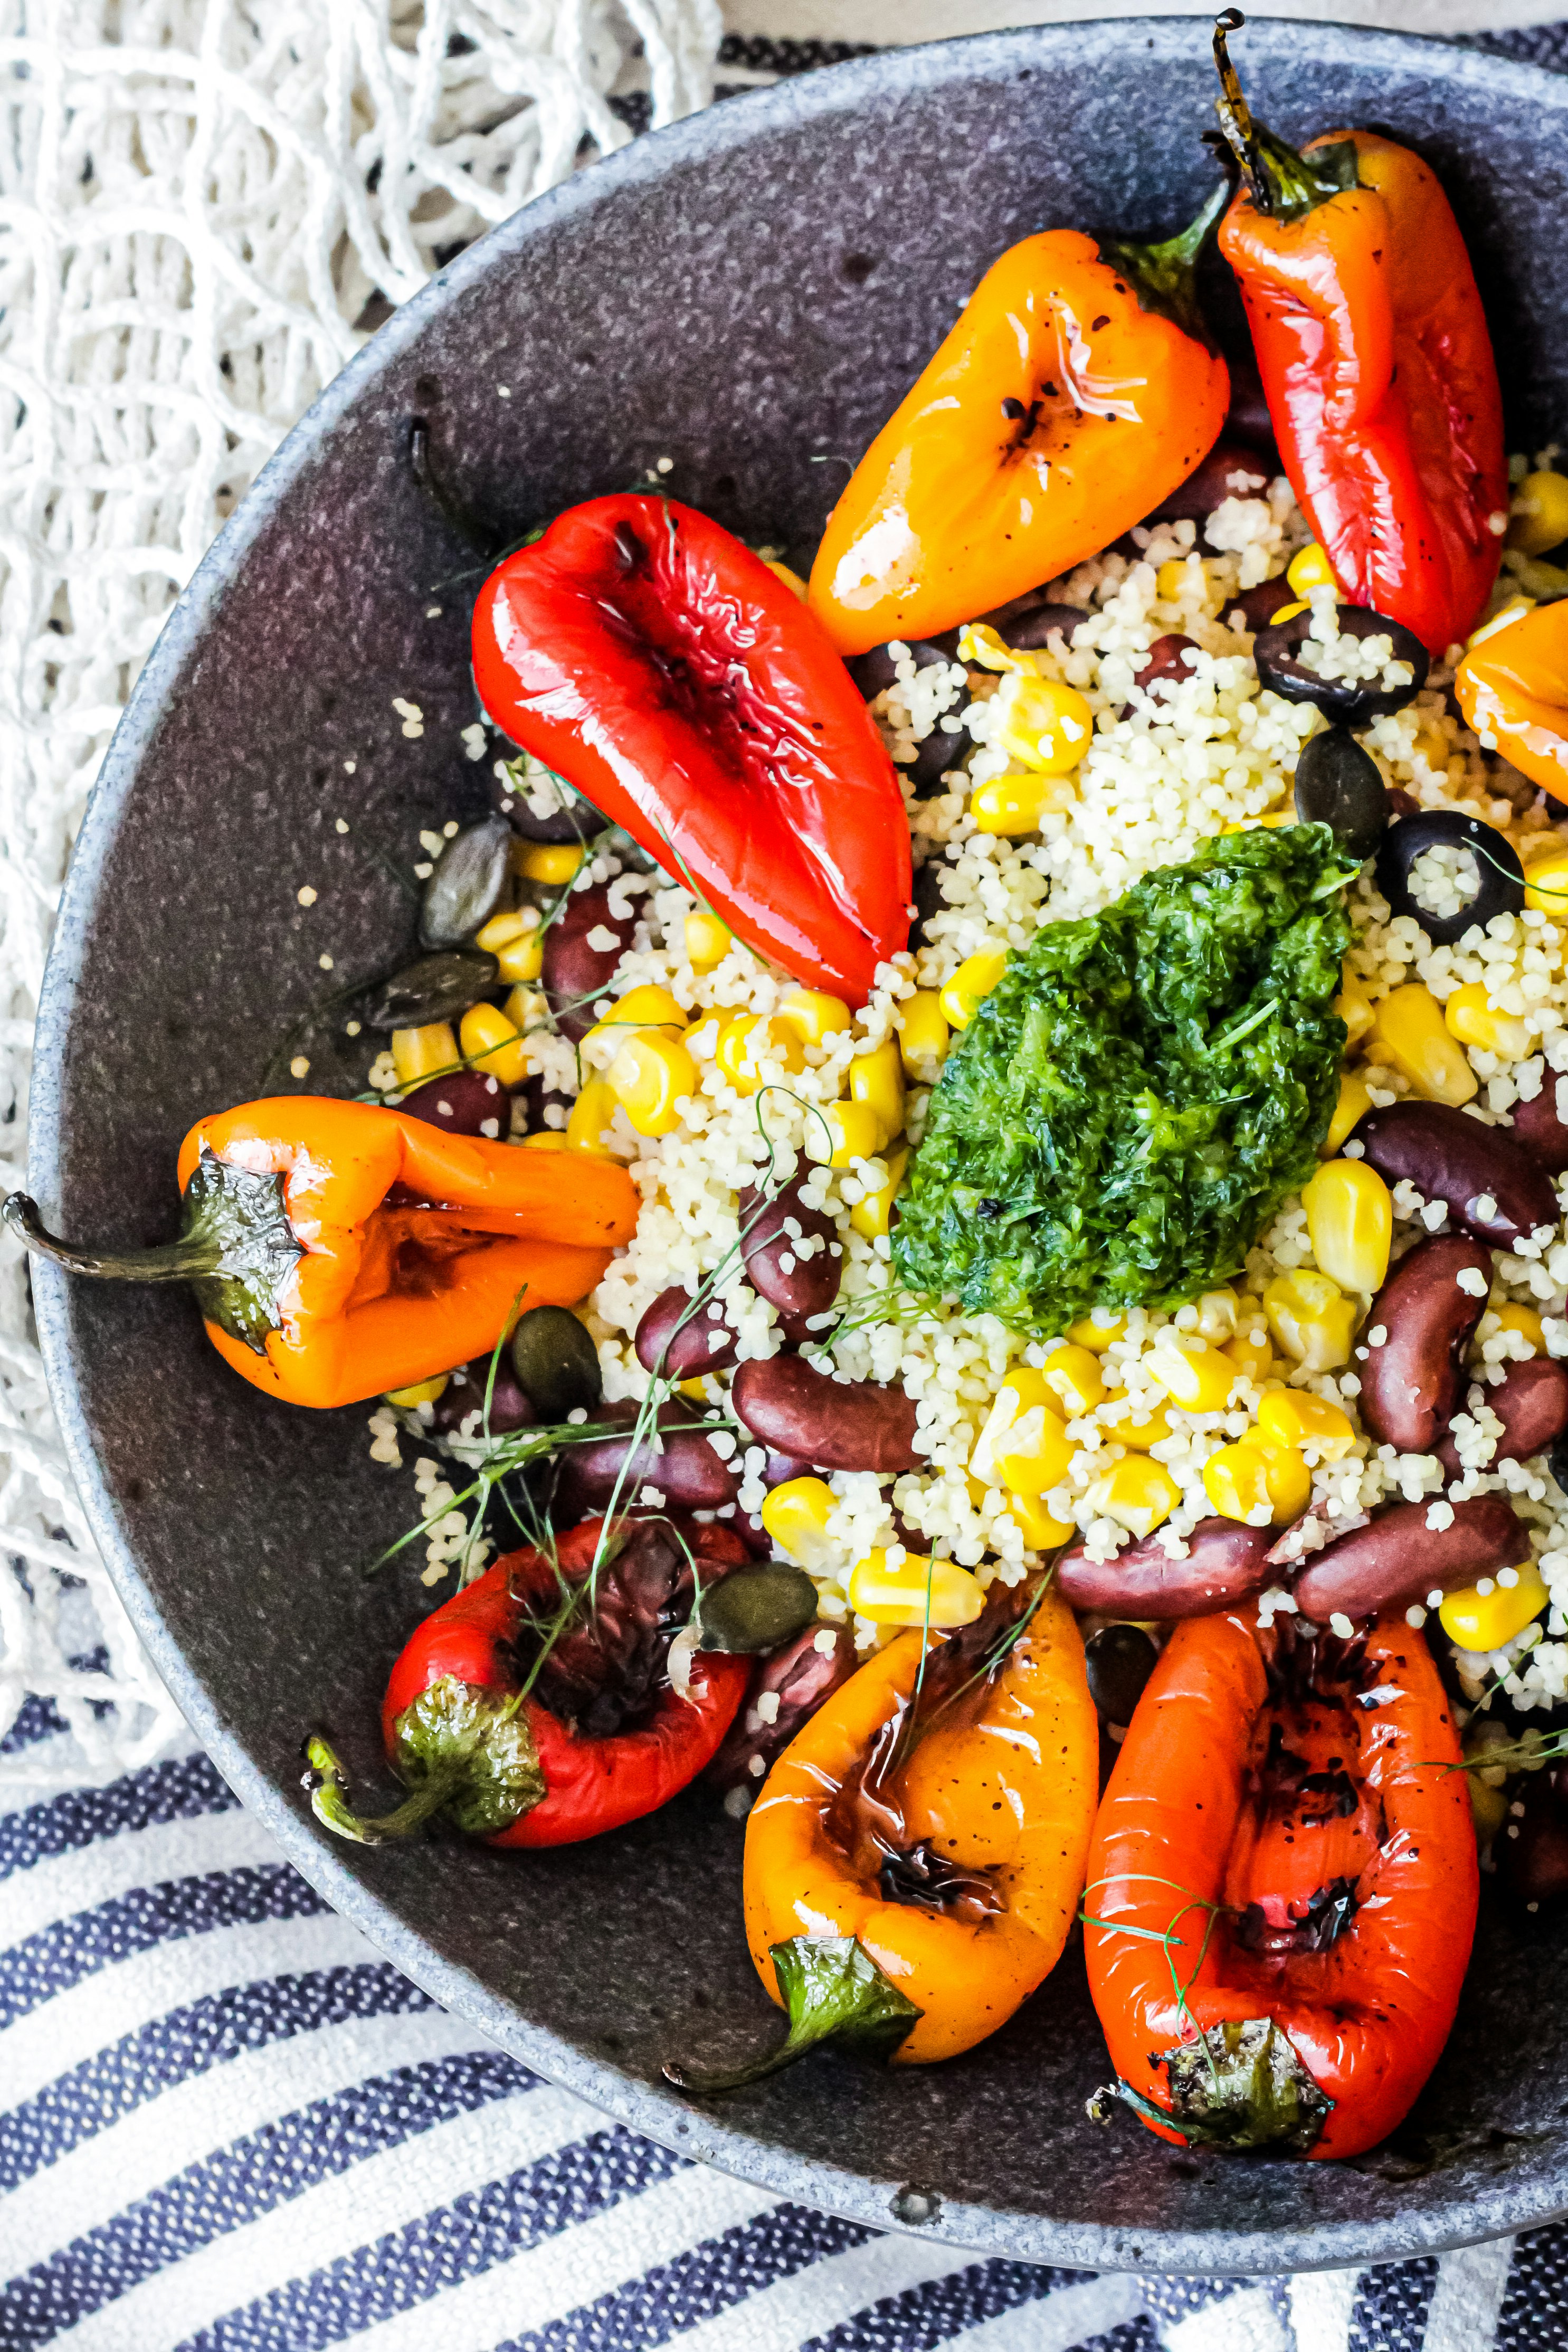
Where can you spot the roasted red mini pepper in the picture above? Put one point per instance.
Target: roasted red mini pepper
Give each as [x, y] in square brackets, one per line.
[338, 1249]
[667, 673]
[1376, 364]
[468, 1738]
[1282, 1886]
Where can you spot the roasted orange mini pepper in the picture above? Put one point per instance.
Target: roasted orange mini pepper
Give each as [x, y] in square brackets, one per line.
[1075, 393]
[1512, 687]
[338, 1249]
[1282, 1886]
[952, 1862]
[1376, 364]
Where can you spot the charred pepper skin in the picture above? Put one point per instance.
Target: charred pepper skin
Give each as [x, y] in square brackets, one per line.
[1362, 2020]
[660, 666]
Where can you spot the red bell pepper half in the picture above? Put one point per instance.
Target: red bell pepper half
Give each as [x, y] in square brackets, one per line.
[1282, 1887]
[664, 670]
[464, 1737]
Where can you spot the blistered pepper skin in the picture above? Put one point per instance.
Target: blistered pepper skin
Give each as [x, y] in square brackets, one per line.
[1056, 414]
[1013, 1794]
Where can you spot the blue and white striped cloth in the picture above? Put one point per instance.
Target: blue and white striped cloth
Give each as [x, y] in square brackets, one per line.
[229, 2126]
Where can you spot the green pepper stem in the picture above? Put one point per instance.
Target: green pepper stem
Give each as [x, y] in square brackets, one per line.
[834, 1991]
[1283, 184]
[1166, 274]
[180, 1261]
[329, 1799]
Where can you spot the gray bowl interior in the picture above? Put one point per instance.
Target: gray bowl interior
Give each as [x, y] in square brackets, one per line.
[745, 294]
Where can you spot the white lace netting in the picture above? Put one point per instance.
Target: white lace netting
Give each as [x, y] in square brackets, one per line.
[204, 207]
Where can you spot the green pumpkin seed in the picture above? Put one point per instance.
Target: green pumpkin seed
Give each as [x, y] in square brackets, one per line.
[556, 1362]
[469, 884]
[432, 989]
[755, 1609]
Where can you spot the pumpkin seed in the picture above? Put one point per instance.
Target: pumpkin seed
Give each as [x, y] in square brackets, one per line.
[432, 989]
[469, 884]
[755, 1609]
[556, 1362]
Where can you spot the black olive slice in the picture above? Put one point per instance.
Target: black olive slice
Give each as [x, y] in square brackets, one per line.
[874, 672]
[1352, 702]
[1028, 628]
[1502, 890]
[1340, 785]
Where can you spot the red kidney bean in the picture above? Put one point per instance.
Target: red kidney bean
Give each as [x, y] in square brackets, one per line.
[875, 671]
[1538, 1128]
[465, 1102]
[771, 1232]
[1028, 628]
[539, 1099]
[575, 973]
[687, 1472]
[1533, 1862]
[1254, 608]
[1226, 1563]
[1211, 483]
[1164, 660]
[1397, 1558]
[1401, 804]
[837, 1425]
[1531, 1402]
[464, 1394]
[1410, 1384]
[805, 1671]
[780, 1468]
[675, 1341]
[1460, 1161]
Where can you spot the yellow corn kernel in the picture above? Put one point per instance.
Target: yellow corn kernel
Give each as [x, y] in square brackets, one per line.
[1286, 613]
[1539, 517]
[548, 861]
[1313, 1320]
[873, 1213]
[546, 1138]
[1038, 1527]
[1251, 1353]
[523, 957]
[1199, 1379]
[980, 644]
[1411, 1038]
[1526, 1322]
[795, 1515]
[491, 1042]
[589, 1124]
[420, 1392]
[747, 1042]
[923, 1035]
[1014, 804]
[854, 1132]
[1024, 1443]
[525, 1008]
[1309, 569]
[1139, 1426]
[1350, 1222]
[1470, 1017]
[935, 1592]
[877, 1079]
[1354, 1008]
[1355, 1102]
[813, 1014]
[1484, 1616]
[640, 1008]
[974, 978]
[493, 936]
[708, 940]
[1217, 1314]
[1096, 1331]
[1074, 1375]
[1047, 727]
[1296, 1417]
[1138, 1494]
[1171, 579]
[421, 1053]
[1546, 883]
[1244, 1480]
[649, 1078]
[792, 580]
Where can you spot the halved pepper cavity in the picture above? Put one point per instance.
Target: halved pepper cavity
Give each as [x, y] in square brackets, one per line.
[1376, 364]
[340, 1249]
[467, 1732]
[659, 666]
[1282, 1887]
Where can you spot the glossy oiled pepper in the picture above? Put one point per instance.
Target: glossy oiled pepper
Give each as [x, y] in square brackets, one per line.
[1075, 393]
[667, 672]
[958, 1871]
[466, 1738]
[1376, 364]
[1512, 687]
[1279, 1810]
[338, 1249]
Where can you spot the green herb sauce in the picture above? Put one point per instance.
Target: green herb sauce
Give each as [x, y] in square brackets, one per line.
[1139, 1093]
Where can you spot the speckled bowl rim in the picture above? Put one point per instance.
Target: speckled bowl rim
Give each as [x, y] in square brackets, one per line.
[733, 125]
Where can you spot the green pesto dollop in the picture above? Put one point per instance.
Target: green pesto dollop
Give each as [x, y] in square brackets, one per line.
[1139, 1093]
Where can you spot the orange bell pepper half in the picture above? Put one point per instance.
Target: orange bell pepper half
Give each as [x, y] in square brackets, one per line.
[340, 1249]
[1512, 687]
